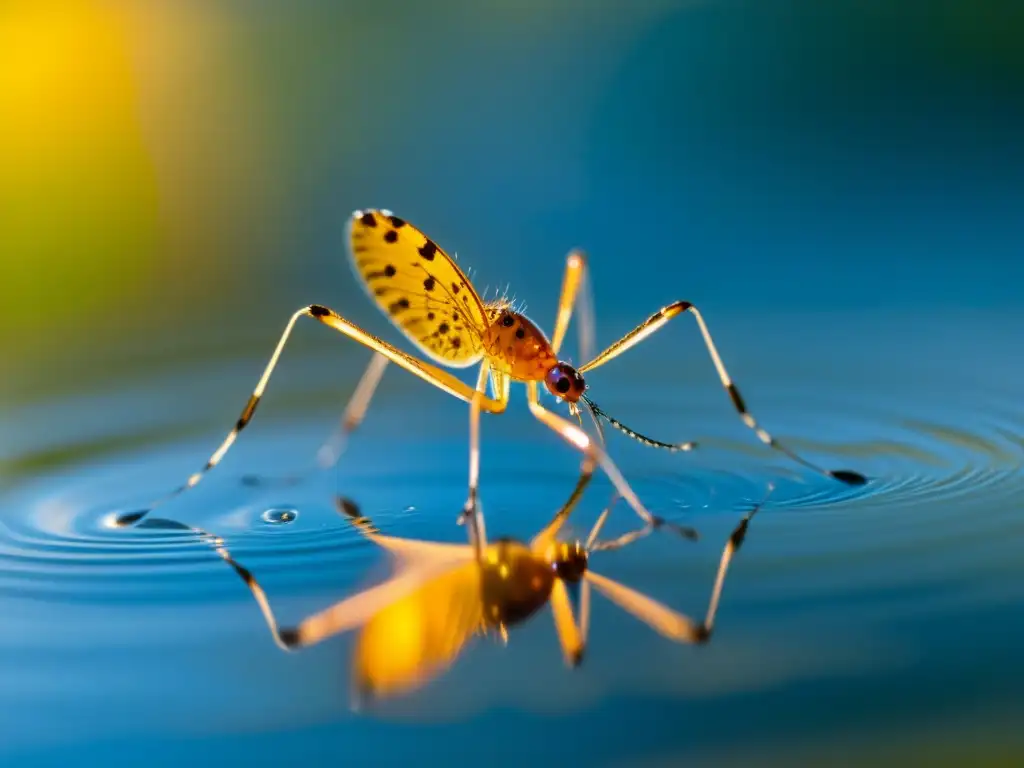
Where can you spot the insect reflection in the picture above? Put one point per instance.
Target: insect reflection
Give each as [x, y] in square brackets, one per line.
[415, 624]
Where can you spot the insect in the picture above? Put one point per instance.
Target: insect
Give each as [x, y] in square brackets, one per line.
[429, 298]
[415, 624]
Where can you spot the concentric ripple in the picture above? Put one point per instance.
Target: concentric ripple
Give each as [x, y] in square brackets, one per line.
[58, 539]
[110, 614]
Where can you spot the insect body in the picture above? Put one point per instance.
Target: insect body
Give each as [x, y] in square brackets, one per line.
[428, 297]
[416, 623]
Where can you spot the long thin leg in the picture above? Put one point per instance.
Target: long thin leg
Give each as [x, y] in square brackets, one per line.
[593, 545]
[659, 319]
[355, 410]
[573, 434]
[289, 639]
[575, 267]
[732, 546]
[576, 295]
[673, 625]
[586, 324]
[657, 523]
[244, 573]
[570, 635]
[359, 401]
[548, 534]
[429, 373]
[471, 510]
[419, 561]
[596, 530]
[405, 551]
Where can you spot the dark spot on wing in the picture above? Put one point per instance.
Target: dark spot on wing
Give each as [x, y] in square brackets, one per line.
[368, 219]
[397, 222]
[429, 283]
[391, 236]
[428, 250]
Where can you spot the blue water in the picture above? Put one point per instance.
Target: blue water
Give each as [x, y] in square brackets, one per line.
[838, 189]
[888, 615]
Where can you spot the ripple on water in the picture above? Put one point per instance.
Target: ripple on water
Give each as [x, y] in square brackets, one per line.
[280, 516]
[58, 540]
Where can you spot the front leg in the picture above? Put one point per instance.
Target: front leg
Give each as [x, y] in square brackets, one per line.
[658, 320]
[577, 437]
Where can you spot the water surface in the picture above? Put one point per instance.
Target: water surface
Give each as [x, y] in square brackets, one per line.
[879, 622]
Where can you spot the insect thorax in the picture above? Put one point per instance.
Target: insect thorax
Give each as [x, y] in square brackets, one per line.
[515, 582]
[516, 346]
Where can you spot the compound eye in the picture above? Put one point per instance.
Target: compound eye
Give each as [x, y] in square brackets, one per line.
[508, 321]
[563, 382]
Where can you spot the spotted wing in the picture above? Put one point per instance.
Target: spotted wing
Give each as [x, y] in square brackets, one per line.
[418, 286]
[415, 638]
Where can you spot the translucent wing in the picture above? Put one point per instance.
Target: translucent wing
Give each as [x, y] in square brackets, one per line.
[418, 286]
[415, 638]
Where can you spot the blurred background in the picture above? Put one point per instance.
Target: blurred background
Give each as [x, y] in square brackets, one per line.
[176, 175]
[839, 186]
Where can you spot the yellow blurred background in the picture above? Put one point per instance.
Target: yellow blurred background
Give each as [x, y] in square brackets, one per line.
[111, 191]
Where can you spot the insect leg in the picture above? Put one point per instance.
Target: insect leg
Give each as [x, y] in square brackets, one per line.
[471, 511]
[570, 636]
[673, 625]
[551, 530]
[244, 573]
[429, 373]
[656, 523]
[577, 437]
[732, 546]
[332, 448]
[659, 319]
[355, 410]
[575, 270]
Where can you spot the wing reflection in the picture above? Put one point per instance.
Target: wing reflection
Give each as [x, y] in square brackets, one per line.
[413, 626]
